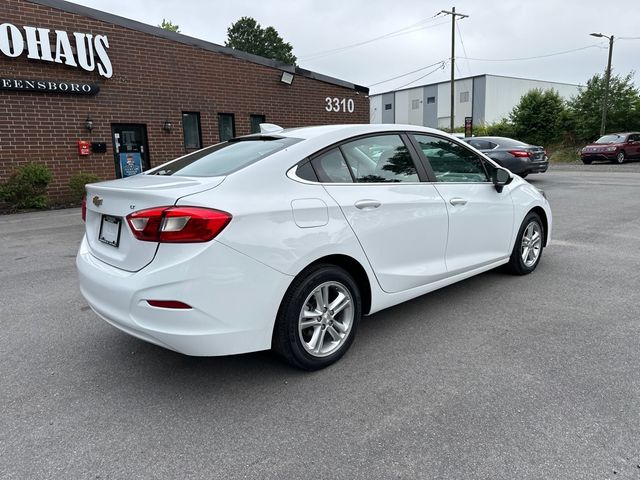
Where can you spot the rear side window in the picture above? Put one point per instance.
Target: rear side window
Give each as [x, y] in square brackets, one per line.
[224, 158]
[451, 162]
[331, 167]
[380, 159]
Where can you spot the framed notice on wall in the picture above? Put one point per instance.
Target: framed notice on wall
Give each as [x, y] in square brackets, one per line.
[130, 164]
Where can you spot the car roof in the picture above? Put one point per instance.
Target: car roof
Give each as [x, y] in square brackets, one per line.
[308, 133]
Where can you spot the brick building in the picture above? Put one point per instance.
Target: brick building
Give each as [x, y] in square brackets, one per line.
[70, 73]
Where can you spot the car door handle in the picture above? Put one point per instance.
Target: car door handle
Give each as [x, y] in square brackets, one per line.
[367, 204]
[457, 201]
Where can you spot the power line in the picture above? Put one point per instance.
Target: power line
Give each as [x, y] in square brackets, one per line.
[463, 47]
[441, 62]
[439, 67]
[403, 31]
[532, 58]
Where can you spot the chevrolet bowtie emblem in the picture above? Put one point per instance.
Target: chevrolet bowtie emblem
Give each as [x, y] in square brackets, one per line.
[97, 201]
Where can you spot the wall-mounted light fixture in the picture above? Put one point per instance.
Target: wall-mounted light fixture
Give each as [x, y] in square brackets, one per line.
[287, 78]
[88, 124]
[168, 126]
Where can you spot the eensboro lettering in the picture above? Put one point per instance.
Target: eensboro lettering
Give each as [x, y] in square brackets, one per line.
[47, 86]
[91, 52]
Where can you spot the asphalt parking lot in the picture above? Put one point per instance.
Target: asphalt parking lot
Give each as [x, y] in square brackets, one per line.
[496, 377]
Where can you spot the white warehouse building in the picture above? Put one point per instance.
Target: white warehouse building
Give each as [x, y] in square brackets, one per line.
[485, 98]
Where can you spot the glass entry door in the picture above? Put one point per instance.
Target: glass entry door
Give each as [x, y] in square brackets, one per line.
[130, 148]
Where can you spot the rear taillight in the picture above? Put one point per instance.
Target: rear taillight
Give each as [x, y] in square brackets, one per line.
[520, 153]
[84, 209]
[177, 224]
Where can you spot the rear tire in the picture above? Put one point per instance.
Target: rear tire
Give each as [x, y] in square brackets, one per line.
[318, 317]
[528, 247]
[587, 162]
[621, 157]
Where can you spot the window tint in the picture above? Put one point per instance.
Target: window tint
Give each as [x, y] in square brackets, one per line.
[383, 158]
[306, 172]
[387, 106]
[226, 126]
[480, 144]
[331, 167]
[452, 162]
[431, 99]
[191, 130]
[224, 158]
[256, 120]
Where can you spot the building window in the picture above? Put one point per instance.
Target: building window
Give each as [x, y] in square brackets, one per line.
[256, 120]
[431, 99]
[464, 97]
[387, 106]
[415, 104]
[191, 130]
[226, 126]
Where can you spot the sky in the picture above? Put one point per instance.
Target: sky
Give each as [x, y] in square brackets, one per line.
[341, 38]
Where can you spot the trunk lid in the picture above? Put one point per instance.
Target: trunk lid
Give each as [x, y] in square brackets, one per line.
[108, 204]
[537, 154]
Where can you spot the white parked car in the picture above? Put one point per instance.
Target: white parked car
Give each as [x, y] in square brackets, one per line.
[286, 239]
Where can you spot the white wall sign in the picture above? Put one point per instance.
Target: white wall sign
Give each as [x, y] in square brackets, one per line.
[339, 105]
[88, 52]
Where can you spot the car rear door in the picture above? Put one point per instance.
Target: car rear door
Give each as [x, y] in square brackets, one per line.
[400, 221]
[480, 218]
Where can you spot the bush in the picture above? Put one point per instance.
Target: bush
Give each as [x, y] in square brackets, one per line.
[26, 188]
[78, 182]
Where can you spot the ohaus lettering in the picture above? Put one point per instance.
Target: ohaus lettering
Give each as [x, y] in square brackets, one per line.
[42, 44]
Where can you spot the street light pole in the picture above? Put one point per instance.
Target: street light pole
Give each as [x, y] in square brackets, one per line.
[453, 57]
[605, 97]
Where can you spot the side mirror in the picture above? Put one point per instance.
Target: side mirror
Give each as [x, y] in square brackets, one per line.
[501, 177]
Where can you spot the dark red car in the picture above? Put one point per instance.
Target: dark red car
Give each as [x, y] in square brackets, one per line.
[613, 147]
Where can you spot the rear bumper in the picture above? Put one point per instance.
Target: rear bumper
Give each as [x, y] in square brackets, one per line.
[537, 167]
[234, 298]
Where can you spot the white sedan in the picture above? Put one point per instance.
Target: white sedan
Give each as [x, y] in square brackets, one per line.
[286, 238]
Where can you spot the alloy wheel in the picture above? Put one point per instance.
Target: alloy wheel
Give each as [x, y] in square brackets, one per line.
[531, 244]
[326, 319]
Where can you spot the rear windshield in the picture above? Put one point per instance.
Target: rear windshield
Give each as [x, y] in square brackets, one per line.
[224, 158]
[611, 139]
[510, 143]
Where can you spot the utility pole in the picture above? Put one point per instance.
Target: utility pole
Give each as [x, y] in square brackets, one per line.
[453, 56]
[607, 77]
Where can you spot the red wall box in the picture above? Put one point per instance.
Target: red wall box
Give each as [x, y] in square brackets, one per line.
[155, 77]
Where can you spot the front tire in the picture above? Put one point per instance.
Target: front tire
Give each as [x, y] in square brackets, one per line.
[621, 157]
[318, 317]
[527, 250]
[587, 162]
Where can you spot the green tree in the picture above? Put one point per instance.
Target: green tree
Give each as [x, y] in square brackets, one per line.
[169, 25]
[623, 111]
[539, 117]
[247, 35]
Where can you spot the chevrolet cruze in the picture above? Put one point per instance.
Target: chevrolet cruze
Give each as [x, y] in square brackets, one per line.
[286, 238]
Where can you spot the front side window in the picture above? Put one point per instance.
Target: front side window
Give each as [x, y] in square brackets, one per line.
[224, 158]
[451, 162]
[380, 159]
[191, 130]
[226, 126]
